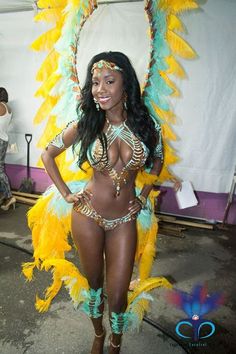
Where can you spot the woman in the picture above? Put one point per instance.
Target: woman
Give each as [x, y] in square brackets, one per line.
[117, 136]
[6, 200]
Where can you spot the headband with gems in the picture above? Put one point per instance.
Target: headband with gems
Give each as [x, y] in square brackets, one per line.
[103, 63]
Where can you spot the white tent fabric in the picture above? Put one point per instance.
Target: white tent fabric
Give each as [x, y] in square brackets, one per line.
[206, 124]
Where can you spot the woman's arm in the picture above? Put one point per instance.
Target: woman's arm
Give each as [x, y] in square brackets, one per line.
[67, 138]
[139, 202]
[3, 109]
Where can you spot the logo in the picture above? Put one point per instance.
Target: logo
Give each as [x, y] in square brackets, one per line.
[195, 305]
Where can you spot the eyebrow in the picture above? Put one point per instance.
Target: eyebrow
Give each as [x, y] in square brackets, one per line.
[105, 77]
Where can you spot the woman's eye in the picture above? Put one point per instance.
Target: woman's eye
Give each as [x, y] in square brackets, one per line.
[110, 82]
[94, 83]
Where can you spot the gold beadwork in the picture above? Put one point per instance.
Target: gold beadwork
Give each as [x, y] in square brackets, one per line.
[137, 160]
[107, 64]
[142, 200]
[84, 207]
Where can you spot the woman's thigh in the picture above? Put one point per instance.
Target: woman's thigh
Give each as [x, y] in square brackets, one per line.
[89, 239]
[120, 248]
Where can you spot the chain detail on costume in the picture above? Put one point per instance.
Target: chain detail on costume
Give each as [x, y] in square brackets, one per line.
[85, 208]
[137, 160]
[93, 299]
[119, 322]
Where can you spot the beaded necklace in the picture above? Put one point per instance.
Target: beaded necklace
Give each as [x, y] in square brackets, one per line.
[123, 132]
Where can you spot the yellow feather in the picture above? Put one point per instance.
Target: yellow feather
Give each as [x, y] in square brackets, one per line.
[48, 84]
[146, 178]
[146, 259]
[147, 285]
[175, 68]
[49, 15]
[68, 273]
[51, 3]
[175, 24]
[45, 109]
[177, 6]
[48, 66]
[50, 131]
[167, 132]
[171, 84]
[139, 308]
[53, 289]
[42, 305]
[27, 270]
[47, 39]
[167, 116]
[179, 46]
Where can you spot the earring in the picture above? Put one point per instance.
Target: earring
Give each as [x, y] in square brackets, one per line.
[125, 101]
[97, 104]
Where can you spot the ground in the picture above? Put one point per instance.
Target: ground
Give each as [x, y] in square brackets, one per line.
[199, 256]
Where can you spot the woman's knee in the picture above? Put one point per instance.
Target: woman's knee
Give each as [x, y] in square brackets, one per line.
[117, 301]
[95, 281]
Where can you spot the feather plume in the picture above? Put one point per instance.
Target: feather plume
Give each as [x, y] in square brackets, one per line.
[48, 66]
[51, 3]
[49, 15]
[47, 40]
[175, 68]
[137, 309]
[167, 116]
[147, 285]
[177, 6]
[179, 46]
[175, 24]
[50, 131]
[167, 132]
[171, 84]
[146, 259]
[48, 84]
[45, 109]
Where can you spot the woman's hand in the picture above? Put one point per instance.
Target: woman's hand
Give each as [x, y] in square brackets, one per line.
[75, 197]
[134, 206]
[177, 185]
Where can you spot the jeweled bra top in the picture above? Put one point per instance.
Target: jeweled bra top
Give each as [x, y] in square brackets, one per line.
[100, 161]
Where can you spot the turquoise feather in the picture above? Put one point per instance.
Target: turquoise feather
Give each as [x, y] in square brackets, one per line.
[57, 204]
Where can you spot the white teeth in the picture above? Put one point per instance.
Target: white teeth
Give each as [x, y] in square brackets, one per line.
[104, 99]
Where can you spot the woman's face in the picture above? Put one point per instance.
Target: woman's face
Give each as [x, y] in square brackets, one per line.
[107, 88]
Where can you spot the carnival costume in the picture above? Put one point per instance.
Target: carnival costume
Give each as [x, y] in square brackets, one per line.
[50, 218]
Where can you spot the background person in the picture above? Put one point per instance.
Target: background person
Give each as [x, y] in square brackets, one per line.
[6, 199]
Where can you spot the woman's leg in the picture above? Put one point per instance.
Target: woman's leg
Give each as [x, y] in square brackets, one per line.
[120, 247]
[89, 238]
[5, 186]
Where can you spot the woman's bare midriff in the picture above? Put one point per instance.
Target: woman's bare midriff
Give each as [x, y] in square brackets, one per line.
[104, 199]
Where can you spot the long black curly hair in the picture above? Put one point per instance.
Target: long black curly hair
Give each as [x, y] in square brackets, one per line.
[3, 95]
[92, 122]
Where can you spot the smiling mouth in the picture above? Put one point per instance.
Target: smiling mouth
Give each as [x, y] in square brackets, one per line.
[103, 99]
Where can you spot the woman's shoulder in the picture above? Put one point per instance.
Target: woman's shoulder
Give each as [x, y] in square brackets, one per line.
[4, 108]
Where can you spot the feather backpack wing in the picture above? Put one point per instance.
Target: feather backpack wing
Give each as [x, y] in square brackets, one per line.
[60, 91]
[165, 45]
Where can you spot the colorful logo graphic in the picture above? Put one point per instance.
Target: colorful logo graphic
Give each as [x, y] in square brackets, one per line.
[195, 305]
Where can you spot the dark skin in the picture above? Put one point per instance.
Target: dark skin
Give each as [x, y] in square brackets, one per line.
[118, 245]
